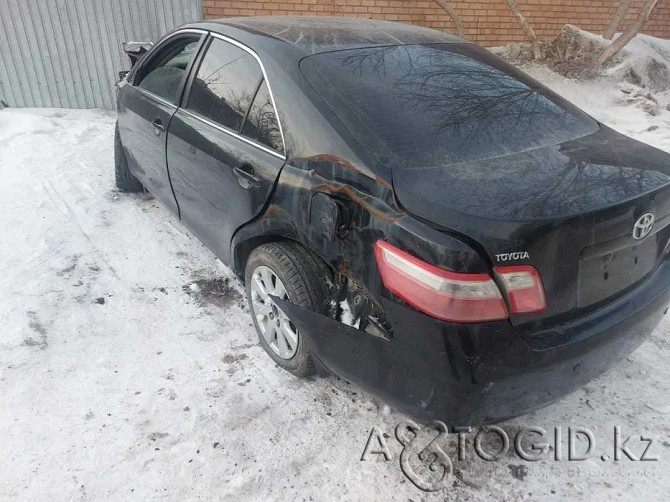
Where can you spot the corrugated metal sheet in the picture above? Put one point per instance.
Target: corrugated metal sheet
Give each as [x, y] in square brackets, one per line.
[67, 53]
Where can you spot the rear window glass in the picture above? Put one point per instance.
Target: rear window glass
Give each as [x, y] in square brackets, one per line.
[261, 123]
[431, 104]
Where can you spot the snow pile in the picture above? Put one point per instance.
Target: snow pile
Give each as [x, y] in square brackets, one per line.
[641, 70]
[573, 53]
[643, 62]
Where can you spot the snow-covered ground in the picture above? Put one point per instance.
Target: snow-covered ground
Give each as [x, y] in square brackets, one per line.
[121, 380]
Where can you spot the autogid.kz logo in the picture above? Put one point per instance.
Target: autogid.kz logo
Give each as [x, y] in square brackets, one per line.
[428, 455]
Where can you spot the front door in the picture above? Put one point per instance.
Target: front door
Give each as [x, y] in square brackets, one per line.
[146, 108]
[224, 147]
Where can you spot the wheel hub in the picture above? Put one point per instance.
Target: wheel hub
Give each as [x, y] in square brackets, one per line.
[275, 326]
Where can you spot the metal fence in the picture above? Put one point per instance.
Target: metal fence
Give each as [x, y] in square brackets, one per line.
[67, 53]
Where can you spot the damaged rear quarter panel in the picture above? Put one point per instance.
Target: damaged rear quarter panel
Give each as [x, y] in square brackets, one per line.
[363, 211]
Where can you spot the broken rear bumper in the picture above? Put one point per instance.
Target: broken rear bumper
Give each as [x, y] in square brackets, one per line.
[469, 374]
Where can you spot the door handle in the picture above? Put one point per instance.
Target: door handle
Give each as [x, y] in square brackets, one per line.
[158, 126]
[245, 176]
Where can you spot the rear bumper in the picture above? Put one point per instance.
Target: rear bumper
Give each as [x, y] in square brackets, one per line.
[472, 374]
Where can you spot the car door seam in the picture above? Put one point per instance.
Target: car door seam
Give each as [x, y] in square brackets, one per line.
[167, 163]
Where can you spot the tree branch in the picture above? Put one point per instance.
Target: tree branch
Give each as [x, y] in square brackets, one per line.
[619, 15]
[453, 14]
[528, 30]
[628, 35]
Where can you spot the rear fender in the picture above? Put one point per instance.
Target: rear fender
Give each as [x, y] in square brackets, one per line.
[332, 209]
[327, 205]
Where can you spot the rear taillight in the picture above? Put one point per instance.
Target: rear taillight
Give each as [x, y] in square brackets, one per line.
[457, 297]
[523, 287]
[446, 295]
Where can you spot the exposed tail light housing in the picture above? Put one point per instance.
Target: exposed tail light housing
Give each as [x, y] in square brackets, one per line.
[523, 287]
[446, 295]
[457, 297]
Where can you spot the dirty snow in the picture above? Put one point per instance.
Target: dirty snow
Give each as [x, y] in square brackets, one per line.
[129, 368]
[347, 316]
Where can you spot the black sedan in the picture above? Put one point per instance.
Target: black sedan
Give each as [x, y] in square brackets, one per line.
[405, 209]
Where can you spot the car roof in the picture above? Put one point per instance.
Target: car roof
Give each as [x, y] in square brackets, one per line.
[315, 34]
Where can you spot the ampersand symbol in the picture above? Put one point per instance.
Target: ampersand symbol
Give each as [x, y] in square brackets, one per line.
[431, 453]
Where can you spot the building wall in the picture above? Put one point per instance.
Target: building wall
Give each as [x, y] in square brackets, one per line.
[487, 22]
[67, 54]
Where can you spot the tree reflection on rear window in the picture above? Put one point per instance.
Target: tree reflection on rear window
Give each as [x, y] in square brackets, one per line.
[431, 104]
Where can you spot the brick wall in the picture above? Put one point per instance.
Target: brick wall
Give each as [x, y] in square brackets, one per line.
[487, 22]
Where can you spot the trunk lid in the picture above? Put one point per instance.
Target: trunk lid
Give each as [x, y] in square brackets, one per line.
[569, 210]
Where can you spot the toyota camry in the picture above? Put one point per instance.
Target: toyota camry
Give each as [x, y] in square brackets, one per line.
[405, 209]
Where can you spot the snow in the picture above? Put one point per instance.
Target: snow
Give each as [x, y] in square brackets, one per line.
[129, 367]
[637, 56]
[347, 316]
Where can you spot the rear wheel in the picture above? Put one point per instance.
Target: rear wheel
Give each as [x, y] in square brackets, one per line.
[288, 271]
[124, 178]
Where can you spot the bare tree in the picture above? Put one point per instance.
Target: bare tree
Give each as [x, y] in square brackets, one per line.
[619, 15]
[629, 34]
[453, 14]
[528, 30]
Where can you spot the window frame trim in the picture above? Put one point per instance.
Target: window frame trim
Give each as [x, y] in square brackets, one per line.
[236, 134]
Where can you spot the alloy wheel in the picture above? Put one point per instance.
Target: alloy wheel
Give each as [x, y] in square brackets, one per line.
[275, 326]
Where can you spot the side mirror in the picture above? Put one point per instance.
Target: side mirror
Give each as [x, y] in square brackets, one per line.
[135, 50]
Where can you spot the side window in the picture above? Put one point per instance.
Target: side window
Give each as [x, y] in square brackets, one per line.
[225, 84]
[164, 72]
[261, 124]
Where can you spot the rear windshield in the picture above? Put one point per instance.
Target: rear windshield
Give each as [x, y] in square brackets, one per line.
[434, 104]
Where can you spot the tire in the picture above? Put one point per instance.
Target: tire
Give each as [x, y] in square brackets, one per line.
[124, 179]
[305, 281]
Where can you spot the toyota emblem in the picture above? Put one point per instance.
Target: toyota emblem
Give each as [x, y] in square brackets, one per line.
[643, 226]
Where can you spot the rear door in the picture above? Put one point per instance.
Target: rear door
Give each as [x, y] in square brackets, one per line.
[146, 107]
[225, 147]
